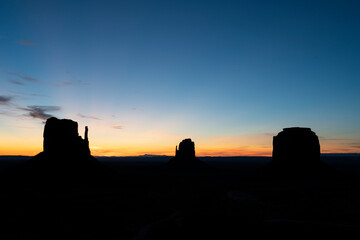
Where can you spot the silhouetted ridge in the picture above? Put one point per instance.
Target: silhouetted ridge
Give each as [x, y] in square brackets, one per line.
[185, 155]
[296, 154]
[66, 159]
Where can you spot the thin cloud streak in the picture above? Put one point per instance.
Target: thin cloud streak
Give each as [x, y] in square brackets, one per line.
[66, 83]
[118, 127]
[5, 100]
[29, 79]
[29, 94]
[17, 82]
[40, 112]
[89, 117]
[332, 139]
[34, 111]
[27, 43]
[22, 76]
[7, 114]
[84, 83]
[37, 95]
[70, 83]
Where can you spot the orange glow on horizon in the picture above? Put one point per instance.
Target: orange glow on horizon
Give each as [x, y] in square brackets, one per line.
[29, 151]
[105, 142]
[171, 152]
[32, 150]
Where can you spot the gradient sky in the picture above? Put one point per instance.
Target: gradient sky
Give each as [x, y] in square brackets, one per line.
[143, 75]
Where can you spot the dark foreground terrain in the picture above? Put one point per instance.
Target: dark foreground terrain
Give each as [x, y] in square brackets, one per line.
[226, 198]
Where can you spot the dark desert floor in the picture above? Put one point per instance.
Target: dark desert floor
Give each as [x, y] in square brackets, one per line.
[225, 199]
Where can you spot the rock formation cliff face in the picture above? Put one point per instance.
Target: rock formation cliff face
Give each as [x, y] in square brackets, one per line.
[186, 149]
[296, 146]
[185, 155]
[61, 137]
[65, 161]
[296, 154]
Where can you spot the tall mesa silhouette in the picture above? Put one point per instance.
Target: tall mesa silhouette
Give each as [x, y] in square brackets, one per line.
[61, 137]
[296, 154]
[66, 159]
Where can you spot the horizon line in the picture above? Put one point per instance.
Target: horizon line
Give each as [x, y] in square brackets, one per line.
[155, 155]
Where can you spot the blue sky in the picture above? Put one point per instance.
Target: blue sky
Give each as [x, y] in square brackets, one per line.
[145, 74]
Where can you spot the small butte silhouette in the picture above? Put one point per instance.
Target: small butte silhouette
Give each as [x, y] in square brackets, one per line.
[185, 156]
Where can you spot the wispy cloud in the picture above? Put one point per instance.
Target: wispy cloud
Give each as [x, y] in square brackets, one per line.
[84, 83]
[37, 95]
[70, 83]
[66, 83]
[2, 37]
[90, 117]
[5, 100]
[27, 78]
[9, 114]
[27, 42]
[40, 112]
[17, 82]
[22, 76]
[29, 94]
[327, 139]
[118, 127]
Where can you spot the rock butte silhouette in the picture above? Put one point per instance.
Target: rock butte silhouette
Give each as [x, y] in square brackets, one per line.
[186, 149]
[219, 204]
[296, 154]
[296, 146]
[66, 157]
[61, 137]
[65, 160]
[185, 155]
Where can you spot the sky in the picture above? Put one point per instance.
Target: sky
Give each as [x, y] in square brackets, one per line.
[143, 75]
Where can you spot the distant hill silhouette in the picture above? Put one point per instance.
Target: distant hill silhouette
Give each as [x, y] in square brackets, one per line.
[296, 154]
[185, 156]
[65, 161]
